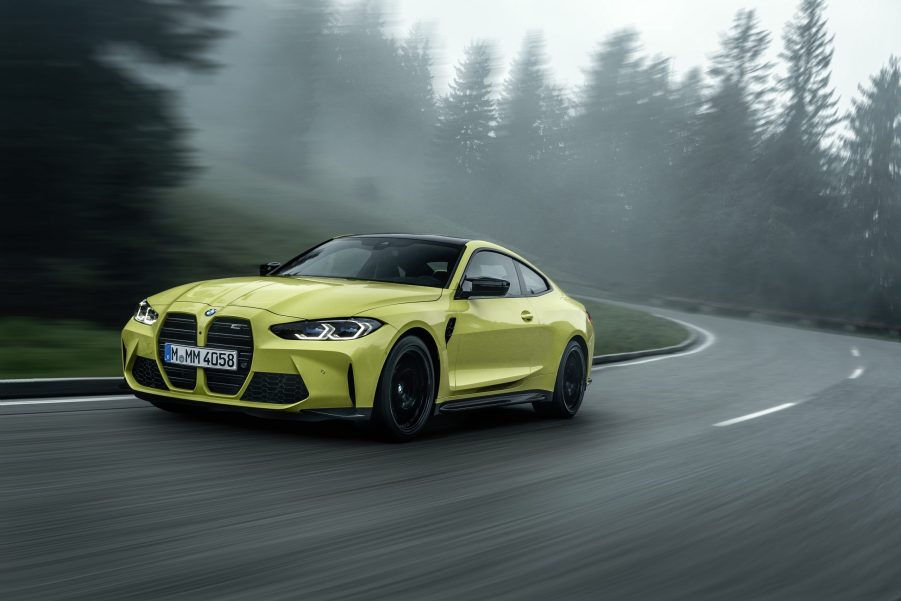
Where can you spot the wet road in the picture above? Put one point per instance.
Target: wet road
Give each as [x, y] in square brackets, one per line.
[796, 494]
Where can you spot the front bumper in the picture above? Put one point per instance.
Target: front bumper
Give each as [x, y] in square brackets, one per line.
[305, 415]
[335, 375]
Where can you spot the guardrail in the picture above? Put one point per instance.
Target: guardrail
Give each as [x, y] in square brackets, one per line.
[778, 315]
[699, 305]
[61, 387]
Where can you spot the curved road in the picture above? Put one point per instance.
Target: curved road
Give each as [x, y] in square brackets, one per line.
[641, 497]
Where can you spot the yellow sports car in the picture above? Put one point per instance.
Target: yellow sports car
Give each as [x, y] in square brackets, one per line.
[387, 328]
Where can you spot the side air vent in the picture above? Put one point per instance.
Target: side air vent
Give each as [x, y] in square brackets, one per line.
[351, 386]
[449, 330]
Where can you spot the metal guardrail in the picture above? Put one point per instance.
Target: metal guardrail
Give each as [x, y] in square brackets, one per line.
[778, 315]
[61, 387]
[699, 305]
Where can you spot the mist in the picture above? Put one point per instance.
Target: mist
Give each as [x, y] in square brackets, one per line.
[743, 180]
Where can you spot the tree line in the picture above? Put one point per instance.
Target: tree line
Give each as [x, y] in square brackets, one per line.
[739, 182]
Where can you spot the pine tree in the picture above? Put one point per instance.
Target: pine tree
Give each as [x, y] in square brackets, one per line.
[287, 84]
[468, 114]
[86, 143]
[800, 149]
[529, 150]
[375, 115]
[720, 187]
[810, 113]
[416, 59]
[802, 204]
[521, 112]
[740, 69]
[623, 137]
[873, 167]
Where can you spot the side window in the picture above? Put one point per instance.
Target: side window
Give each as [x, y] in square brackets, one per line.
[487, 264]
[535, 284]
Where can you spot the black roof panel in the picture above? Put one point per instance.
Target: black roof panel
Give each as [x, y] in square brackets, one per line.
[426, 237]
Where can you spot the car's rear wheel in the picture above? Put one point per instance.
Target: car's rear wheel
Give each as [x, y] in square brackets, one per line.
[570, 386]
[405, 398]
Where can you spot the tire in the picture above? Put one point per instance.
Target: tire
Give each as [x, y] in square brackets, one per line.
[405, 397]
[569, 389]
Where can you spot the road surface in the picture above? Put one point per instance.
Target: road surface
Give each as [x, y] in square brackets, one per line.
[765, 466]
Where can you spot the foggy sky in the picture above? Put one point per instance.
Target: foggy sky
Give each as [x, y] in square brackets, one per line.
[866, 31]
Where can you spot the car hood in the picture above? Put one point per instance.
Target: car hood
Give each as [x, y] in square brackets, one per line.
[302, 298]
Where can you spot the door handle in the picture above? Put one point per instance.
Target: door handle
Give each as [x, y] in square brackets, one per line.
[526, 316]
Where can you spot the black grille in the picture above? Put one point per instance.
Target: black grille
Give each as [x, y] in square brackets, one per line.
[180, 328]
[280, 389]
[146, 373]
[230, 333]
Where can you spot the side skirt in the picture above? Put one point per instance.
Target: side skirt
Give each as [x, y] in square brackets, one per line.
[495, 400]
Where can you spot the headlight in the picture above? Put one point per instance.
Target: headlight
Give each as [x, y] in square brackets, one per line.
[145, 313]
[327, 329]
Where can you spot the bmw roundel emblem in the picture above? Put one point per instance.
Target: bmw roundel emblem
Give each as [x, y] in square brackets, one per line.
[209, 312]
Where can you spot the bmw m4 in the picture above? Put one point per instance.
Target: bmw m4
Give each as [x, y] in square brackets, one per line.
[390, 329]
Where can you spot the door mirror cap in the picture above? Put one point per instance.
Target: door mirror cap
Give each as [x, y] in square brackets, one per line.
[267, 268]
[483, 286]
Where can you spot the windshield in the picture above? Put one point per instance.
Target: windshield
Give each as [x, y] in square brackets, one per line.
[397, 260]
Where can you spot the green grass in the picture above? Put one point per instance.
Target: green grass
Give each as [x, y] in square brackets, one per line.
[621, 330]
[32, 348]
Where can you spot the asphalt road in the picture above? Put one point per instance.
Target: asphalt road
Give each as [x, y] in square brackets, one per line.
[641, 497]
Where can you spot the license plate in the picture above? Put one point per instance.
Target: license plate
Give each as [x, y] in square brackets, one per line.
[197, 356]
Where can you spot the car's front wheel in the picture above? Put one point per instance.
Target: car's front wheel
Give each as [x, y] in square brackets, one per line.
[570, 387]
[405, 398]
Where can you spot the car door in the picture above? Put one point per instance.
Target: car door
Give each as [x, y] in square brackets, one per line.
[542, 306]
[495, 337]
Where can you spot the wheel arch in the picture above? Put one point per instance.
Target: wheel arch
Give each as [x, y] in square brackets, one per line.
[579, 338]
[428, 338]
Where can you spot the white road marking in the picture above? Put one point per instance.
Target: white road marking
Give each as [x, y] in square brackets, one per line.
[745, 418]
[708, 339]
[855, 351]
[856, 373]
[91, 399]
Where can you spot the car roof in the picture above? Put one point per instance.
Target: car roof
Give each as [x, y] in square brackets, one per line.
[426, 237]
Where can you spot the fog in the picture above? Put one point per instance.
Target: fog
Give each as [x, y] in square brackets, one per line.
[714, 151]
[688, 32]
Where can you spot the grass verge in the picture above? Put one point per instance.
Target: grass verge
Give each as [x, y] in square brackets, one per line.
[622, 330]
[32, 348]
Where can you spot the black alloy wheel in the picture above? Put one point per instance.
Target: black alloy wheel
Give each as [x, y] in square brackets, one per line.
[405, 398]
[570, 386]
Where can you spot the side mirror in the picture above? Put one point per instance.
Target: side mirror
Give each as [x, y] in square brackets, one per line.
[267, 268]
[483, 286]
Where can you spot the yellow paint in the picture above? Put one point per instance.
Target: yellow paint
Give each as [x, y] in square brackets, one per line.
[493, 348]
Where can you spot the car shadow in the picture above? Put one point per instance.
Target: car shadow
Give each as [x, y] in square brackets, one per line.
[506, 420]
